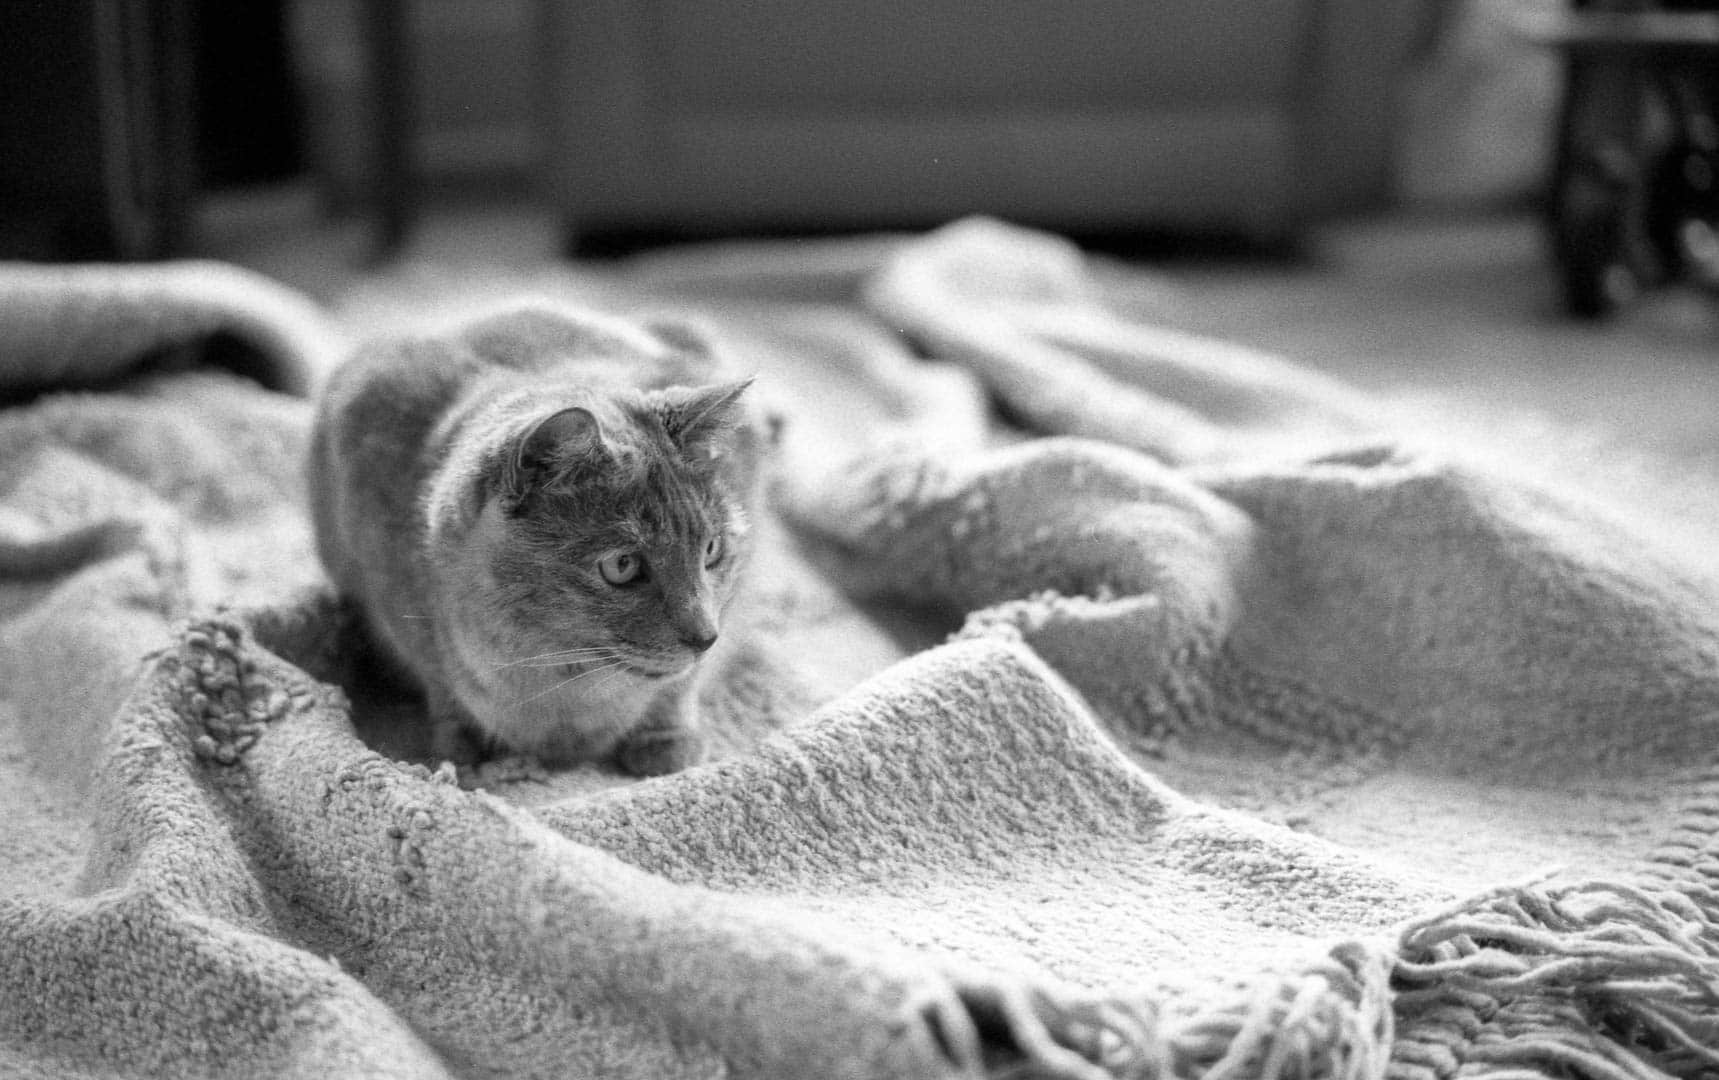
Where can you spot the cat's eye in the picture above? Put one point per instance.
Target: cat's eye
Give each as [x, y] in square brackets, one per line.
[713, 551]
[621, 567]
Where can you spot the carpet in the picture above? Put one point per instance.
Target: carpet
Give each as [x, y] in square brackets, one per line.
[1115, 703]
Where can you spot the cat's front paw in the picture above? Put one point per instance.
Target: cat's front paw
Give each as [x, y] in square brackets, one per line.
[658, 753]
[451, 739]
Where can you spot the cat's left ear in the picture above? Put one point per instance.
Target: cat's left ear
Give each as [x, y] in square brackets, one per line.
[693, 416]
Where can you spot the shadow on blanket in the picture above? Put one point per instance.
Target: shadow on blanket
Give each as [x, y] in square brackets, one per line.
[1250, 718]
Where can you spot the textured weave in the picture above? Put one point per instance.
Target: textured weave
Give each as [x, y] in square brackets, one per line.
[1199, 725]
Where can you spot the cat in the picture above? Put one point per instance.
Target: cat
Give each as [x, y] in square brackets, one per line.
[543, 517]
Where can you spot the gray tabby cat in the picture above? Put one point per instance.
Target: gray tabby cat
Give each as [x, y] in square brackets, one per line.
[543, 518]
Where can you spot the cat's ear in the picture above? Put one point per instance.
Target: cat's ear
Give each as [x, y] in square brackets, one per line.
[693, 416]
[551, 447]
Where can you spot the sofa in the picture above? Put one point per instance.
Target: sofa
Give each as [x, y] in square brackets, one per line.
[1251, 118]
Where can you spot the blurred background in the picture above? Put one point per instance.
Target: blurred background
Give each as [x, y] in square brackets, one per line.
[1189, 117]
[1361, 184]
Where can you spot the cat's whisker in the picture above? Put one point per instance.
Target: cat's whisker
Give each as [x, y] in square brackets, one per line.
[561, 661]
[582, 650]
[617, 671]
[611, 667]
[539, 665]
[552, 664]
[528, 700]
[562, 656]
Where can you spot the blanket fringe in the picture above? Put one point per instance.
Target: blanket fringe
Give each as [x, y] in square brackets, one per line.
[1601, 979]
[1332, 1021]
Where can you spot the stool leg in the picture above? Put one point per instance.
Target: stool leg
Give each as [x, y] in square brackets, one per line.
[1686, 184]
[1600, 192]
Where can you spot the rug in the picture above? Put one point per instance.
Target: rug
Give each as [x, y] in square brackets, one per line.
[1114, 703]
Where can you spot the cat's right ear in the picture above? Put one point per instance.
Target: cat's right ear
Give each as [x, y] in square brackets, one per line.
[550, 448]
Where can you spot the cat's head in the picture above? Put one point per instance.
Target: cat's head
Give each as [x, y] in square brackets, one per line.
[613, 530]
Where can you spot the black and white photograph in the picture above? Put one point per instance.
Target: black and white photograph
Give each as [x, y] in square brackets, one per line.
[753, 539]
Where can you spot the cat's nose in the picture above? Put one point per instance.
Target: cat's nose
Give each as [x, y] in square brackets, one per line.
[699, 640]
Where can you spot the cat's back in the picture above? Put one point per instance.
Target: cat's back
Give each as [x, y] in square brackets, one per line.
[599, 352]
[370, 450]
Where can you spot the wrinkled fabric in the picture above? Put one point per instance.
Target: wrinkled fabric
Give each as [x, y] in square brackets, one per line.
[1197, 723]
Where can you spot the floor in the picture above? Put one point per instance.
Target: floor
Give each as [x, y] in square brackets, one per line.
[1469, 307]
[1462, 306]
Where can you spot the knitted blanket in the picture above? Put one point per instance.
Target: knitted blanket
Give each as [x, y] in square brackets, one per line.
[1114, 704]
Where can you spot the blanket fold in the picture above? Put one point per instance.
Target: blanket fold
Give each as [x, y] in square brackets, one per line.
[85, 324]
[1016, 309]
[1247, 719]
